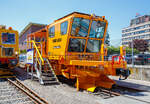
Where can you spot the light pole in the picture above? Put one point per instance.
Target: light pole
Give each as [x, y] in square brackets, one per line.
[132, 53]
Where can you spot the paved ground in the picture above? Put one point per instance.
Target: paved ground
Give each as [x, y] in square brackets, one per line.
[132, 83]
[122, 100]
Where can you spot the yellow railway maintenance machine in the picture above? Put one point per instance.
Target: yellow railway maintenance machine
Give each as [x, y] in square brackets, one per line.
[74, 47]
[9, 47]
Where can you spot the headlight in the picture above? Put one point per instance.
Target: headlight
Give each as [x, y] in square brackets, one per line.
[16, 53]
[13, 62]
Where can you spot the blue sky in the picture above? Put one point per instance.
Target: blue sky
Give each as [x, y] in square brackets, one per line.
[18, 13]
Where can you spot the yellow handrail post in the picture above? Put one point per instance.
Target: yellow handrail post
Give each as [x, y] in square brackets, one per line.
[102, 52]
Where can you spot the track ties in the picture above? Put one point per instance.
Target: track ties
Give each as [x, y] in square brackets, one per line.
[14, 92]
[120, 91]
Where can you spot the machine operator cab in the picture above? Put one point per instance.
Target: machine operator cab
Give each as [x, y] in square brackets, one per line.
[87, 35]
[78, 35]
[9, 47]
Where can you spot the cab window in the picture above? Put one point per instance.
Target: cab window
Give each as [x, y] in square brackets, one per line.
[97, 29]
[7, 51]
[8, 38]
[76, 45]
[80, 27]
[52, 31]
[93, 46]
[63, 27]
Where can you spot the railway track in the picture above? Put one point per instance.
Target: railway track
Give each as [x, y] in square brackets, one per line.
[12, 91]
[130, 93]
[105, 93]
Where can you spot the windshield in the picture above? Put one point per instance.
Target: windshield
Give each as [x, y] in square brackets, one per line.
[8, 38]
[76, 45]
[80, 27]
[93, 45]
[97, 29]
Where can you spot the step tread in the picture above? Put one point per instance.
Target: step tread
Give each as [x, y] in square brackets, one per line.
[48, 79]
[50, 82]
[48, 75]
[46, 71]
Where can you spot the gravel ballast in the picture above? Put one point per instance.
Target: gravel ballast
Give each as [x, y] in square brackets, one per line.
[62, 94]
[65, 94]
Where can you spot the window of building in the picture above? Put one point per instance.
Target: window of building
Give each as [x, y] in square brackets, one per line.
[146, 26]
[8, 38]
[64, 27]
[142, 36]
[137, 21]
[52, 31]
[7, 51]
[147, 30]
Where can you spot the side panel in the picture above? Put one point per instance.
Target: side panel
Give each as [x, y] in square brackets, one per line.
[57, 44]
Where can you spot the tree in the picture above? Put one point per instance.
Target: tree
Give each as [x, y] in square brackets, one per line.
[107, 39]
[139, 44]
[129, 51]
[23, 51]
[113, 50]
[116, 50]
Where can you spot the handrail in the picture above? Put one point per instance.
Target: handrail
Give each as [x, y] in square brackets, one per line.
[34, 43]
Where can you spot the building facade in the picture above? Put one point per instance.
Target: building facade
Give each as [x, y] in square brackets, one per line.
[30, 28]
[139, 29]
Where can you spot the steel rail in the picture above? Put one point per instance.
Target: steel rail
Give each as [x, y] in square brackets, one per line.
[134, 89]
[110, 92]
[32, 92]
[33, 96]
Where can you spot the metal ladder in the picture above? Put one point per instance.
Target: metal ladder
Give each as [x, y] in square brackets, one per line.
[44, 72]
[48, 74]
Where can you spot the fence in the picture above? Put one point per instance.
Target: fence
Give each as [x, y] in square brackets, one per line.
[140, 72]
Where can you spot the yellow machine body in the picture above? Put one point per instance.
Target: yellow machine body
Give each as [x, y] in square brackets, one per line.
[74, 45]
[9, 49]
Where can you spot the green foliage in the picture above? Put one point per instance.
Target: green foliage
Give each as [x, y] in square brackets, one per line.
[23, 51]
[113, 50]
[116, 50]
[129, 51]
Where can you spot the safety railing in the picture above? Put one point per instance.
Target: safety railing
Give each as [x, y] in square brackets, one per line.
[38, 54]
[38, 59]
